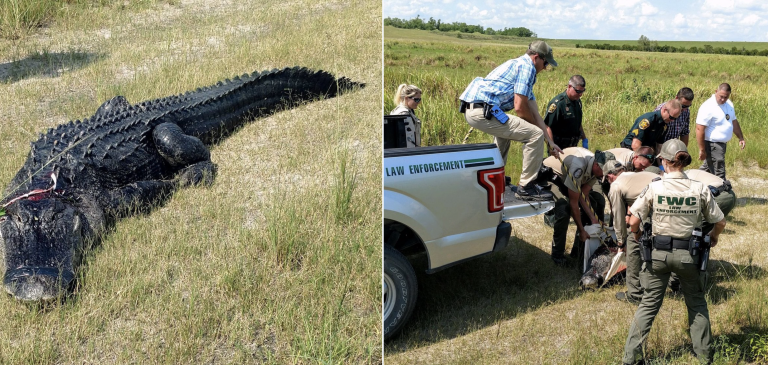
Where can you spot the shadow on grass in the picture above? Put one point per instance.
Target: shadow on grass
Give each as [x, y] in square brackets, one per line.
[44, 64]
[740, 202]
[746, 344]
[502, 285]
[718, 290]
[483, 291]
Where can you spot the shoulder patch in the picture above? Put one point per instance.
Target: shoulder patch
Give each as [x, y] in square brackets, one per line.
[577, 173]
[656, 179]
[552, 108]
[644, 124]
[727, 117]
[635, 131]
[642, 193]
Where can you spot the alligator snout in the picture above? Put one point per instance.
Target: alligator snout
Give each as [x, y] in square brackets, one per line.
[37, 283]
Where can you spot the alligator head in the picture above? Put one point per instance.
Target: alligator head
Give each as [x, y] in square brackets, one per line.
[40, 240]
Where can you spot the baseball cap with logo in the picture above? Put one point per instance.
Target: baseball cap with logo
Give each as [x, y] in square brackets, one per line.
[544, 50]
[670, 148]
[610, 167]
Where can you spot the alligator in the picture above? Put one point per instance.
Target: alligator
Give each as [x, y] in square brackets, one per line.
[83, 176]
[602, 269]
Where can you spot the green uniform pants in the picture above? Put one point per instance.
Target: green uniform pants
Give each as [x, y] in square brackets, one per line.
[634, 264]
[654, 277]
[563, 216]
[725, 201]
[715, 161]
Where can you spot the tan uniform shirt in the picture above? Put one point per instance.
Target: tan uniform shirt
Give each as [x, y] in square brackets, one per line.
[624, 156]
[678, 205]
[705, 177]
[578, 161]
[412, 132]
[624, 191]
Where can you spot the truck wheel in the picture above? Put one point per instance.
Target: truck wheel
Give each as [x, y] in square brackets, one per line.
[399, 291]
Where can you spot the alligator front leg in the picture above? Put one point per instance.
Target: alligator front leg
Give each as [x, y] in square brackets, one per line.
[186, 153]
[140, 196]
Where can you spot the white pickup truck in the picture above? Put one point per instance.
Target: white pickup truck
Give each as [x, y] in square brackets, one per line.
[450, 202]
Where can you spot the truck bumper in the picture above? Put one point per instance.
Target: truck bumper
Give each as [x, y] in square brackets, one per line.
[503, 232]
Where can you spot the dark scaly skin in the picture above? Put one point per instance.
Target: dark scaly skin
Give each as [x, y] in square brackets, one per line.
[126, 159]
[600, 262]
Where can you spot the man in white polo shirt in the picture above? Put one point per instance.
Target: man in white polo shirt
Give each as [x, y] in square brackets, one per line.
[715, 125]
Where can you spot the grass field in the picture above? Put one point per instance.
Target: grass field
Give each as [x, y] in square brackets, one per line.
[278, 261]
[516, 306]
[392, 33]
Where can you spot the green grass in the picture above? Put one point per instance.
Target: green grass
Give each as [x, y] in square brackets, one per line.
[620, 87]
[517, 307]
[19, 17]
[277, 262]
[392, 33]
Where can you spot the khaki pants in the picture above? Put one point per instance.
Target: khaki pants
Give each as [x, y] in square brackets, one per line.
[515, 129]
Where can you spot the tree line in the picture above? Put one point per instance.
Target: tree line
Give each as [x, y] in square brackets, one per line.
[646, 45]
[432, 24]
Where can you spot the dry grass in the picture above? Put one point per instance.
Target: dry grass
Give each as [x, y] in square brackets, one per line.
[260, 267]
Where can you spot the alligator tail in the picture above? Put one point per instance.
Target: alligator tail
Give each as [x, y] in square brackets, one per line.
[215, 112]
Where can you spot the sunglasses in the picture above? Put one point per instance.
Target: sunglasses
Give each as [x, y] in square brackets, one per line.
[686, 106]
[418, 100]
[577, 90]
[649, 157]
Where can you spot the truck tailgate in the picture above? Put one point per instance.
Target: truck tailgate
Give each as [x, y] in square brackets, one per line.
[515, 207]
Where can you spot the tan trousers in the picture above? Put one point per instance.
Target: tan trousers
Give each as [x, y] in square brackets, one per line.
[515, 129]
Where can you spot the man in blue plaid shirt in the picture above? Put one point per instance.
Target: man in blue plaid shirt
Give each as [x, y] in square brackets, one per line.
[680, 127]
[510, 87]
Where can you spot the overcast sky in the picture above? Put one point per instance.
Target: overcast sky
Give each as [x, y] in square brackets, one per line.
[700, 20]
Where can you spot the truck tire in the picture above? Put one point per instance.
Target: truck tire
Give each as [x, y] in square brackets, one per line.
[399, 289]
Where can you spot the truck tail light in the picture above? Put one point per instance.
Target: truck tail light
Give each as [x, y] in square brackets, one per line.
[493, 182]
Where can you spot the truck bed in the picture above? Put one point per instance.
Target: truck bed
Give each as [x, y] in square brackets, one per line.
[515, 207]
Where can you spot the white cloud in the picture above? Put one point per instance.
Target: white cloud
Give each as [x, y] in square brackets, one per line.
[679, 20]
[648, 9]
[750, 20]
[719, 5]
[625, 3]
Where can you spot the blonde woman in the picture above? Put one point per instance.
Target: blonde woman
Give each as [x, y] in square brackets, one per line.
[407, 98]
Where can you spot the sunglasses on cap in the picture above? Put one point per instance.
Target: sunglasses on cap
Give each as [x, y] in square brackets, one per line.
[418, 100]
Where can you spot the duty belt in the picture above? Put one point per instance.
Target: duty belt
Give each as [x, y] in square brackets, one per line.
[568, 141]
[668, 243]
[725, 187]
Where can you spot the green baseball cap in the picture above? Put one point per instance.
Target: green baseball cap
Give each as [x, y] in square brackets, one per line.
[544, 50]
[670, 148]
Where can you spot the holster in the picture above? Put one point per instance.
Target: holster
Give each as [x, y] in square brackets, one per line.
[646, 243]
[487, 111]
[463, 106]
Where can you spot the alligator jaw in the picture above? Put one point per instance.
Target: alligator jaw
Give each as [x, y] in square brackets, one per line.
[34, 284]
